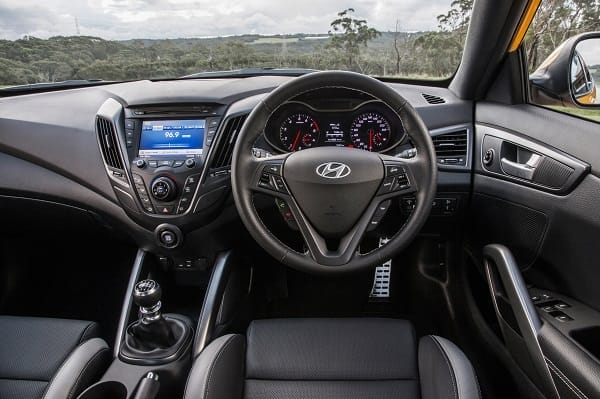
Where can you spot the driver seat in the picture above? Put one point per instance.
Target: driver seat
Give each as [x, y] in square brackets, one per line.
[331, 359]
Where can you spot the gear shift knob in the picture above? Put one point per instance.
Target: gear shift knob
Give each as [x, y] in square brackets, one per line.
[146, 295]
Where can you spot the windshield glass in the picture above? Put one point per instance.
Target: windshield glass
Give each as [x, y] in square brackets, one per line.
[58, 40]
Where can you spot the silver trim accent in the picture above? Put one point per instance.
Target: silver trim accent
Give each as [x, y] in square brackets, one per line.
[125, 310]
[211, 304]
[333, 170]
[523, 309]
[112, 111]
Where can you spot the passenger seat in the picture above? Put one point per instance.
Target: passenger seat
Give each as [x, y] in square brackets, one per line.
[49, 358]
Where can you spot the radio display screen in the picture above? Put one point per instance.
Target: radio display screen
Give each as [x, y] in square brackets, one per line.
[172, 137]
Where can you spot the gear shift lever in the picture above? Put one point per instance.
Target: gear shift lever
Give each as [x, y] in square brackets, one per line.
[151, 331]
[146, 295]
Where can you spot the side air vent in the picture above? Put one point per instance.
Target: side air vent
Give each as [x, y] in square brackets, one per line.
[451, 148]
[221, 159]
[431, 99]
[108, 143]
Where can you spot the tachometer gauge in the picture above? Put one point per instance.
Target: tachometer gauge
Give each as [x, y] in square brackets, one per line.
[370, 131]
[298, 131]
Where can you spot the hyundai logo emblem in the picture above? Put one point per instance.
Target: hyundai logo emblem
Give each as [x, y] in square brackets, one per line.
[333, 170]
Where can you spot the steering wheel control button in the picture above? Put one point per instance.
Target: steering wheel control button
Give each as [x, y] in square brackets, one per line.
[163, 189]
[168, 235]
[274, 169]
[286, 212]
[400, 182]
[393, 170]
[379, 214]
[387, 185]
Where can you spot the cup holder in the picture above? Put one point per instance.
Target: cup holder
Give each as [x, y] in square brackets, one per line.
[105, 390]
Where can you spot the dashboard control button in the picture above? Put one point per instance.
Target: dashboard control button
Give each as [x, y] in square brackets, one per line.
[165, 162]
[190, 162]
[153, 164]
[168, 238]
[129, 123]
[168, 235]
[137, 179]
[140, 163]
[141, 189]
[129, 143]
[128, 133]
[408, 204]
[163, 189]
[177, 164]
[165, 209]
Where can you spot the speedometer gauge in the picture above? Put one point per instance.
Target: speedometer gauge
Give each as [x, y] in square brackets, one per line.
[298, 131]
[370, 131]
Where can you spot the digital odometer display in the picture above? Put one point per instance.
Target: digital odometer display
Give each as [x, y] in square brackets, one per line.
[172, 137]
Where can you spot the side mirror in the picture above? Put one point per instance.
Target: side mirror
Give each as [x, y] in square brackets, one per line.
[570, 76]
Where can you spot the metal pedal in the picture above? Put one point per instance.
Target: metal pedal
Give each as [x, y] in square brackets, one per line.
[382, 277]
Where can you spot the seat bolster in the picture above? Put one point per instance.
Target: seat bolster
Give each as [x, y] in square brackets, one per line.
[80, 369]
[218, 372]
[445, 371]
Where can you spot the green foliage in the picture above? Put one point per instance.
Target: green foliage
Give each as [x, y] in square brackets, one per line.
[556, 21]
[351, 44]
[349, 35]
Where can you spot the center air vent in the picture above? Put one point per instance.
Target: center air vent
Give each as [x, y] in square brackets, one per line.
[221, 158]
[108, 143]
[451, 148]
[431, 99]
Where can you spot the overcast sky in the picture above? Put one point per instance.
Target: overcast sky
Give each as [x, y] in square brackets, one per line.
[127, 19]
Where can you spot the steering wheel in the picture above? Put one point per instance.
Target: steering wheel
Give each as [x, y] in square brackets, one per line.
[332, 192]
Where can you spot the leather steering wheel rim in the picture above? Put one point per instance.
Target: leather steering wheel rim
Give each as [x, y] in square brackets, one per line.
[246, 170]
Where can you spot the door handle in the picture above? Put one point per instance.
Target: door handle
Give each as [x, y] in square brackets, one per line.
[522, 170]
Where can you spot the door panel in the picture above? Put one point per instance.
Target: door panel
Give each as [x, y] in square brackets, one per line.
[551, 225]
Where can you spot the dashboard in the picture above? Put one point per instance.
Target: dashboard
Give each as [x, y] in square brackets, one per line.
[144, 155]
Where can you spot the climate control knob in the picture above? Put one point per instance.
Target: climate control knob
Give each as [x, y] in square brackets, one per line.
[163, 189]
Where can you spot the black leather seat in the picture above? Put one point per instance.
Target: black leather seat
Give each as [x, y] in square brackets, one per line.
[49, 358]
[331, 359]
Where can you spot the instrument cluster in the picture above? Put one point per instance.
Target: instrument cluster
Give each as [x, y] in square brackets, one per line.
[371, 126]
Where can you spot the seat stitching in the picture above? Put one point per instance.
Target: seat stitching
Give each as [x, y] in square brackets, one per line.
[447, 360]
[101, 351]
[212, 366]
[566, 380]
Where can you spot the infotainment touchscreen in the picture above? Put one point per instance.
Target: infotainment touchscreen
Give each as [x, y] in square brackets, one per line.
[172, 137]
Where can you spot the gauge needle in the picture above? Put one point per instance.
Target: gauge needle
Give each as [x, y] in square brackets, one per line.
[370, 139]
[295, 143]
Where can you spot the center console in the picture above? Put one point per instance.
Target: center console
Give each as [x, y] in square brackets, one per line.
[168, 160]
